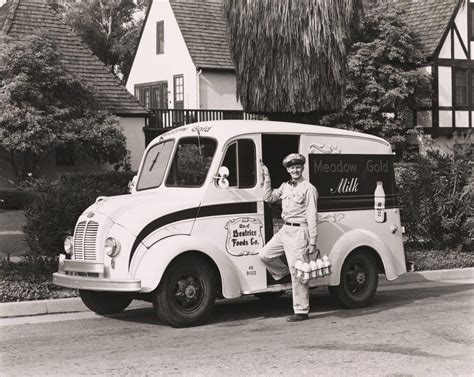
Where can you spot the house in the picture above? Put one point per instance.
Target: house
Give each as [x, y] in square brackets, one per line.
[183, 60]
[19, 18]
[446, 32]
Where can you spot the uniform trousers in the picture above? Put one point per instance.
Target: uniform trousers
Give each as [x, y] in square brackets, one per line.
[292, 241]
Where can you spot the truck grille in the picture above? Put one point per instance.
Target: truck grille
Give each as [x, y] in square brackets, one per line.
[85, 238]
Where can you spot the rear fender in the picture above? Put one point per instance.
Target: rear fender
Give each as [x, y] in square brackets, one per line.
[154, 261]
[358, 238]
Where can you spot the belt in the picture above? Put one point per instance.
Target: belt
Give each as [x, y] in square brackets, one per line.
[292, 224]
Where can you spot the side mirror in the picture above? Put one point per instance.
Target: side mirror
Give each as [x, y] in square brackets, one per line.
[222, 174]
[132, 183]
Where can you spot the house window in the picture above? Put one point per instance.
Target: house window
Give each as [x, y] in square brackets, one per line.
[153, 95]
[472, 21]
[160, 37]
[240, 160]
[65, 155]
[472, 88]
[159, 96]
[146, 97]
[460, 87]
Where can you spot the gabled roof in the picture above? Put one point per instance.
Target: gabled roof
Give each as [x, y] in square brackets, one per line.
[20, 18]
[430, 19]
[203, 26]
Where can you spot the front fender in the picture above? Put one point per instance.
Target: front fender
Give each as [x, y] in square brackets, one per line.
[150, 264]
[361, 238]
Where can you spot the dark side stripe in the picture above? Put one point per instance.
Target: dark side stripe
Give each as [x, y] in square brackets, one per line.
[352, 203]
[191, 213]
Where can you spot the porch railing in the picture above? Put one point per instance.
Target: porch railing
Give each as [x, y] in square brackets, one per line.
[170, 118]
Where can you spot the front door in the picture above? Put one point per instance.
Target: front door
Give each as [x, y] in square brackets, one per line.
[178, 86]
[237, 225]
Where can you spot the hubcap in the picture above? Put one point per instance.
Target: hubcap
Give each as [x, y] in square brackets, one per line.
[188, 292]
[357, 278]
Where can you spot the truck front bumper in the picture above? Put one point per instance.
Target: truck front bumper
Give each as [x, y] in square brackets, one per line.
[96, 283]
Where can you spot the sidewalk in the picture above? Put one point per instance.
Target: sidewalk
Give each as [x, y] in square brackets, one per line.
[70, 305]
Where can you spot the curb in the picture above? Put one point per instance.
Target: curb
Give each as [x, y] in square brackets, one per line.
[74, 304]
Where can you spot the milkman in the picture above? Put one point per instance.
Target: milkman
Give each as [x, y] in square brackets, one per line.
[297, 238]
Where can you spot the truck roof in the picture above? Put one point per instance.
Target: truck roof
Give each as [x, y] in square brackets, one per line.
[227, 129]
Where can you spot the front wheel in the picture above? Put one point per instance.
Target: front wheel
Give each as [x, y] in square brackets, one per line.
[187, 292]
[359, 279]
[105, 302]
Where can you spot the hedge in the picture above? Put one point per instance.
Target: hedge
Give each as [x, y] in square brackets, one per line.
[54, 212]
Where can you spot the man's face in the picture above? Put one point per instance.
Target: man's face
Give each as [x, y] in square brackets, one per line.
[295, 171]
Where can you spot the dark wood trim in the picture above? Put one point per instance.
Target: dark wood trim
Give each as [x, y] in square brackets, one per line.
[449, 108]
[461, 42]
[448, 28]
[435, 98]
[452, 42]
[458, 63]
[453, 97]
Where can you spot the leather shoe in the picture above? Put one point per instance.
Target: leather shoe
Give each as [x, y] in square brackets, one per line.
[297, 317]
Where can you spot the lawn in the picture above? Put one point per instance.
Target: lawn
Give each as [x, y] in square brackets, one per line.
[25, 281]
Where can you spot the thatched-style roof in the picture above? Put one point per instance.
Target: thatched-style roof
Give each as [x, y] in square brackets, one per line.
[290, 55]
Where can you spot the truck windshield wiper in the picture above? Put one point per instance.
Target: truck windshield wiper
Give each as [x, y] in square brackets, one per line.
[154, 161]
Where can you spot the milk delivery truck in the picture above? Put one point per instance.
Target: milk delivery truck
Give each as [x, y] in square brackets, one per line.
[191, 228]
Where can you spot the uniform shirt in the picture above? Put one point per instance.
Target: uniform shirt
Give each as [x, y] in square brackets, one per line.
[299, 204]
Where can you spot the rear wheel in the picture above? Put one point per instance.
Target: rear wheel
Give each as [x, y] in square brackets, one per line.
[187, 292]
[105, 302]
[359, 279]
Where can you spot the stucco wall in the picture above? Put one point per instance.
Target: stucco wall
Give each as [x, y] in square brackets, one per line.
[217, 91]
[150, 67]
[133, 130]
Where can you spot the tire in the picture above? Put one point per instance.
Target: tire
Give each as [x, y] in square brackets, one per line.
[105, 302]
[359, 280]
[187, 292]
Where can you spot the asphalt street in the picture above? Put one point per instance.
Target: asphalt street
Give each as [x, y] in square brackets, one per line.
[421, 329]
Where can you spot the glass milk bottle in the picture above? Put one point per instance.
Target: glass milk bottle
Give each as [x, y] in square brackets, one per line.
[379, 203]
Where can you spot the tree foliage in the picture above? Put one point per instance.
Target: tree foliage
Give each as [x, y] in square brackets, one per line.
[109, 29]
[384, 79]
[290, 56]
[43, 106]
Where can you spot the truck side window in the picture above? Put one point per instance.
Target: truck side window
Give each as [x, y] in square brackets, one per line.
[191, 162]
[240, 159]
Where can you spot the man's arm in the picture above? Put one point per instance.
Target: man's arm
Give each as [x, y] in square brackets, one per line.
[269, 195]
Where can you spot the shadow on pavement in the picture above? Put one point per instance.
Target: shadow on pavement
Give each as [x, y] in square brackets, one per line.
[234, 312]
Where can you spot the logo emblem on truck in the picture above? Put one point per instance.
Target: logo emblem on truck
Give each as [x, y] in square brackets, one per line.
[244, 236]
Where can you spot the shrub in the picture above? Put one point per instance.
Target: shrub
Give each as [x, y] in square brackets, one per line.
[53, 214]
[435, 196]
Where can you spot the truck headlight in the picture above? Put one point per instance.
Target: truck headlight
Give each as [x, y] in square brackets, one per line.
[68, 245]
[111, 247]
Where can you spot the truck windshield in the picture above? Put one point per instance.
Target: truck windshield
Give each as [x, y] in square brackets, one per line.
[191, 162]
[154, 165]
